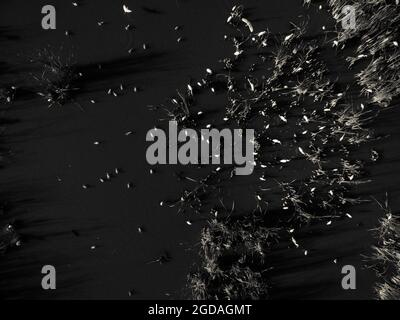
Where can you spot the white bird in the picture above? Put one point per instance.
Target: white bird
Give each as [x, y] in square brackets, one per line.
[190, 89]
[126, 9]
[288, 37]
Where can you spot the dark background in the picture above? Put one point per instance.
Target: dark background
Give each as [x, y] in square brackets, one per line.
[50, 143]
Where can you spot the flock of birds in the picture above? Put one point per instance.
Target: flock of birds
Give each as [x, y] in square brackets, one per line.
[300, 115]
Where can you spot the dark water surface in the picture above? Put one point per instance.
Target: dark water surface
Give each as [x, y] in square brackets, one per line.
[58, 143]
